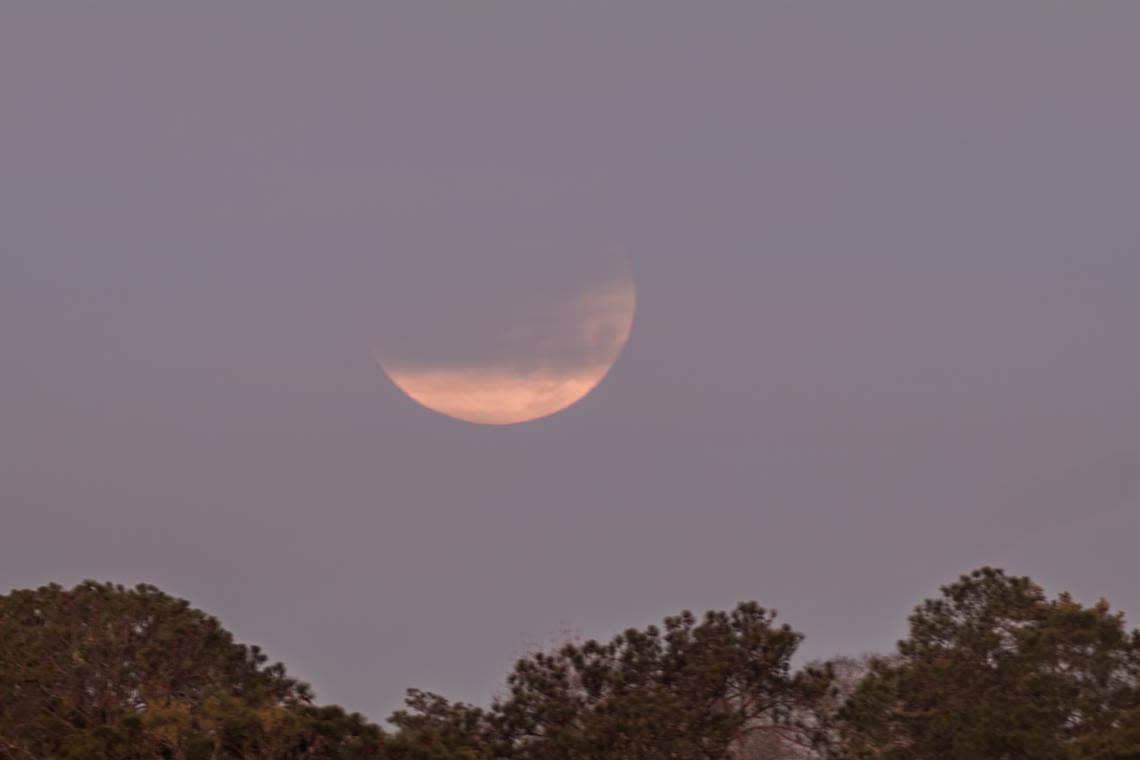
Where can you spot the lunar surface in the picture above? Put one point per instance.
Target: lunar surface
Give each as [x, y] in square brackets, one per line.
[534, 366]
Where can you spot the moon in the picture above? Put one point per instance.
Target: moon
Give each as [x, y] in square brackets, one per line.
[540, 364]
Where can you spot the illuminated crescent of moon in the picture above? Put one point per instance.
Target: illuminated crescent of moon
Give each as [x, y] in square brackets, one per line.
[568, 355]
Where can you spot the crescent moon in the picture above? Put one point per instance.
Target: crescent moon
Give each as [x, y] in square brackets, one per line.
[550, 364]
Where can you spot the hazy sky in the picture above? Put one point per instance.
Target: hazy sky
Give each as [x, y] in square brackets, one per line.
[888, 268]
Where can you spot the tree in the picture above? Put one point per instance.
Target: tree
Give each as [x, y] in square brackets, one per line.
[766, 742]
[687, 690]
[994, 669]
[101, 671]
[1121, 742]
[432, 728]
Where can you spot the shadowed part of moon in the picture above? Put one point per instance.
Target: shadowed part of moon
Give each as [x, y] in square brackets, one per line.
[548, 366]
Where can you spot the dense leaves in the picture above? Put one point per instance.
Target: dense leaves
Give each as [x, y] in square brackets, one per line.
[992, 668]
[102, 671]
[687, 690]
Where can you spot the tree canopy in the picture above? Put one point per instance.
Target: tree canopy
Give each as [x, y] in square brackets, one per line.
[689, 689]
[995, 669]
[991, 668]
[102, 671]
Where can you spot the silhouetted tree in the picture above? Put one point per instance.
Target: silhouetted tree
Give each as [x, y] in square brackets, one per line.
[990, 669]
[432, 728]
[769, 742]
[101, 671]
[994, 669]
[687, 690]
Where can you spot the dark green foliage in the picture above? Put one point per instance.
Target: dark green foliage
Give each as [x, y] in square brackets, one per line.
[991, 669]
[994, 669]
[1121, 742]
[688, 690]
[432, 728]
[102, 671]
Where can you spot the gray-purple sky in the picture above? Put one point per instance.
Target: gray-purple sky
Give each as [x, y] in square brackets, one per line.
[888, 267]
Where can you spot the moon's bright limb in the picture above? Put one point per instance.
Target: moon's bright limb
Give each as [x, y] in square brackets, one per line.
[547, 366]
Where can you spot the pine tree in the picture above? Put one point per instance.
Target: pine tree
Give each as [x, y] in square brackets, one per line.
[102, 672]
[994, 669]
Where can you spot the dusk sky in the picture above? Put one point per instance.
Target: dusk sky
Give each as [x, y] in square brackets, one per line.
[887, 266]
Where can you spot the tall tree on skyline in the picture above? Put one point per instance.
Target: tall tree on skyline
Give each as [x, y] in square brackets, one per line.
[993, 669]
[692, 688]
[102, 671]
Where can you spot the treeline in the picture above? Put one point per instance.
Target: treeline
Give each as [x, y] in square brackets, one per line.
[992, 668]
